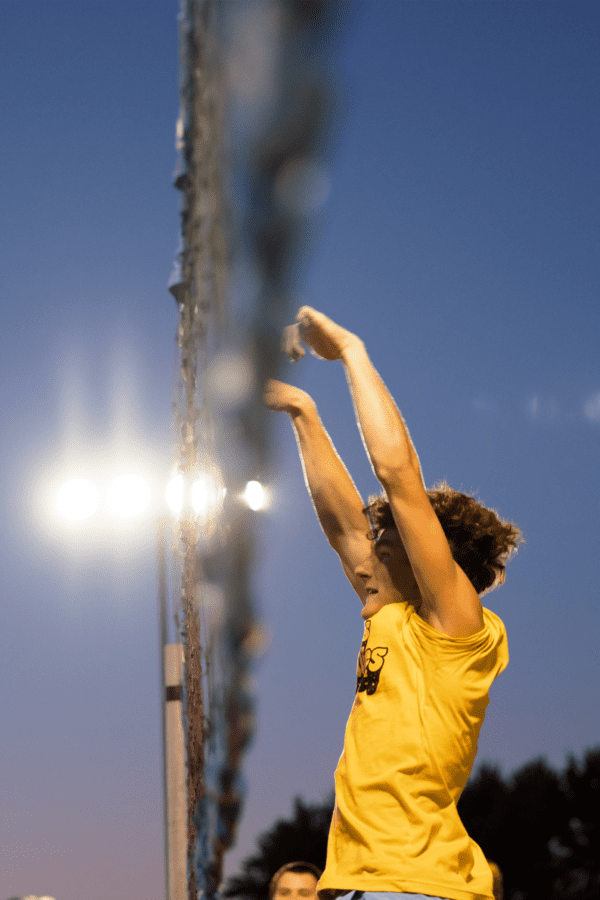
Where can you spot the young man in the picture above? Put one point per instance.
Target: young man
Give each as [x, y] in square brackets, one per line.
[295, 881]
[418, 560]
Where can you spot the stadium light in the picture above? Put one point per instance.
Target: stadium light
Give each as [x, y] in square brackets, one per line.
[206, 496]
[78, 499]
[128, 495]
[174, 494]
[256, 496]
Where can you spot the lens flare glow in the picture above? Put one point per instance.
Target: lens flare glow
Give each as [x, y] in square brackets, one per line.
[174, 494]
[78, 499]
[256, 496]
[128, 495]
[208, 493]
[206, 496]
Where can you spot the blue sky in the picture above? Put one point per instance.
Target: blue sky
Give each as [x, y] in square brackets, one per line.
[460, 240]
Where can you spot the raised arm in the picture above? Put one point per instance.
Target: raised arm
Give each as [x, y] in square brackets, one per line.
[337, 503]
[450, 602]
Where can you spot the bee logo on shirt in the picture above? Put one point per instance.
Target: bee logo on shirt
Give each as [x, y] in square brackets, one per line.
[370, 664]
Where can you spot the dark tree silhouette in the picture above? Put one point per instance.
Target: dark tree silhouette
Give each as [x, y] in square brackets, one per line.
[541, 827]
[536, 818]
[578, 846]
[484, 809]
[304, 838]
[516, 823]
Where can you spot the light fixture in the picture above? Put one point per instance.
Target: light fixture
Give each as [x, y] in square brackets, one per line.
[256, 496]
[77, 499]
[128, 495]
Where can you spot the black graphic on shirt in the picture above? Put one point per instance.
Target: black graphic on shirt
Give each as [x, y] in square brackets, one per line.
[370, 664]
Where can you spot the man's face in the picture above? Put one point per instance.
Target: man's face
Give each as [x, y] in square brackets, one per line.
[387, 574]
[296, 886]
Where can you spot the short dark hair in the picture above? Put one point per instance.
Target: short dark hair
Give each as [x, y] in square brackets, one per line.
[299, 868]
[480, 541]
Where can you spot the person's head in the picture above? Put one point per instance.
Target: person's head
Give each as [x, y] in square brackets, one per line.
[480, 542]
[386, 573]
[295, 881]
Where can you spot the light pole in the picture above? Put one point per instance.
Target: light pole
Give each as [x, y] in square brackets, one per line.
[174, 786]
[129, 495]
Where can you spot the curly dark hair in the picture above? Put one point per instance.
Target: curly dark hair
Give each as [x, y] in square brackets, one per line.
[480, 541]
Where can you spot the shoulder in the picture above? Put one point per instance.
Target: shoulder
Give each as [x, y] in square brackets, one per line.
[478, 658]
[492, 634]
[495, 632]
[493, 622]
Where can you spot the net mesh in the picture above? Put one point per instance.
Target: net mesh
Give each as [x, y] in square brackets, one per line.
[246, 196]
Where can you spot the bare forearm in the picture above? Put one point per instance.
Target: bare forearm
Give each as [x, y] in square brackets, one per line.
[384, 432]
[337, 502]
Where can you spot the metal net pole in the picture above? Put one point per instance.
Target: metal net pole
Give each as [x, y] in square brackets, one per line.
[260, 63]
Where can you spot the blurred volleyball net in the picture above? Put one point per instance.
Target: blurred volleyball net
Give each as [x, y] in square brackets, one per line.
[256, 108]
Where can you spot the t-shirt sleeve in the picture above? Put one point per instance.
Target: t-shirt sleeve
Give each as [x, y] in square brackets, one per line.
[485, 653]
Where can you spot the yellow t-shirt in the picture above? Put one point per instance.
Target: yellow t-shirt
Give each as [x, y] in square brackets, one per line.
[409, 748]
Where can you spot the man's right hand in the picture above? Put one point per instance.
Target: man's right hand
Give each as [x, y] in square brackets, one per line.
[326, 339]
[285, 397]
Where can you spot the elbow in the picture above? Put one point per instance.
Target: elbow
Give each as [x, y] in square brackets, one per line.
[385, 473]
[395, 475]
